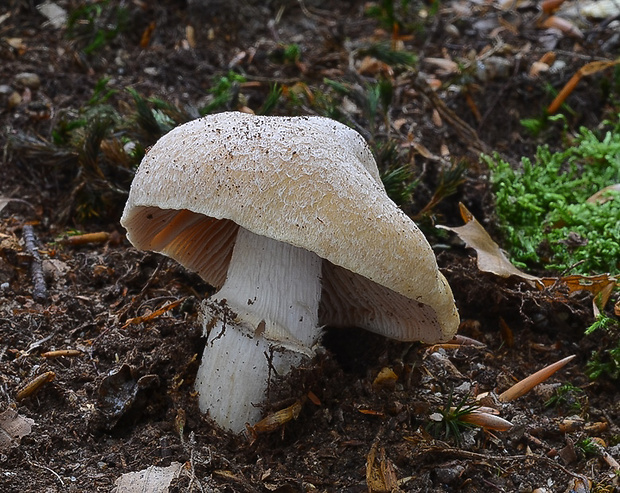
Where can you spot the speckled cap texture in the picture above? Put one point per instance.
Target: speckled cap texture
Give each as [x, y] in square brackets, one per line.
[308, 181]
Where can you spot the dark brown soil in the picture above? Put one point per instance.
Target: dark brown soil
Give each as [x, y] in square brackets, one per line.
[126, 401]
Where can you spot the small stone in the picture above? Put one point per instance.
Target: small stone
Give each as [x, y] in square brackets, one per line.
[28, 79]
[450, 474]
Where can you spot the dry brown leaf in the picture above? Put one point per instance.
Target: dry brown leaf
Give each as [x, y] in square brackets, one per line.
[385, 379]
[444, 66]
[538, 68]
[190, 35]
[153, 479]
[372, 66]
[12, 428]
[601, 196]
[491, 258]
[380, 474]
[600, 284]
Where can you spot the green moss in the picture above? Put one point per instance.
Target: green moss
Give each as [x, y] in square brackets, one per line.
[542, 206]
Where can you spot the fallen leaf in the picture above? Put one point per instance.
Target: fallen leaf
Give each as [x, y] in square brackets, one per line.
[56, 16]
[602, 284]
[385, 379]
[12, 428]
[153, 479]
[444, 66]
[491, 258]
[380, 473]
[371, 66]
[603, 196]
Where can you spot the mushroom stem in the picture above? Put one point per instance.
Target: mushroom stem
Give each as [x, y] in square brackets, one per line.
[262, 322]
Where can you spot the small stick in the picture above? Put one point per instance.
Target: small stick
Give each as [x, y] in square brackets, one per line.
[39, 290]
[83, 239]
[69, 353]
[34, 385]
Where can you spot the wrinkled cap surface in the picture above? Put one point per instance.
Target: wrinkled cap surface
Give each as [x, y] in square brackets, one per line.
[307, 181]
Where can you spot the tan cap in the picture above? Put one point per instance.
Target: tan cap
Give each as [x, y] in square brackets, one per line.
[307, 181]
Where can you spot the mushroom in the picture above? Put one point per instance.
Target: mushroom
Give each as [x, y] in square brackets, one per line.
[287, 217]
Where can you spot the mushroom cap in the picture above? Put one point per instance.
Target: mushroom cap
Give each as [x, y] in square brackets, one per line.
[308, 181]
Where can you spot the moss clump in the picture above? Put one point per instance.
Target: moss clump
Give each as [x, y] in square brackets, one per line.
[542, 206]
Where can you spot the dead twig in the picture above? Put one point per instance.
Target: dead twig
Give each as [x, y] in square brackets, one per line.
[39, 289]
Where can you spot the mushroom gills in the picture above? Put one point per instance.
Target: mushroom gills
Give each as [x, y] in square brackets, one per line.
[262, 322]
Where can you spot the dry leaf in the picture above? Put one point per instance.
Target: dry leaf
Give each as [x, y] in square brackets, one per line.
[56, 15]
[152, 479]
[601, 284]
[371, 66]
[492, 259]
[385, 379]
[444, 66]
[380, 473]
[490, 256]
[12, 428]
[190, 35]
[601, 196]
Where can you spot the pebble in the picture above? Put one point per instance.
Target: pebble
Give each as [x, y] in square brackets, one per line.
[28, 79]
[447, 475]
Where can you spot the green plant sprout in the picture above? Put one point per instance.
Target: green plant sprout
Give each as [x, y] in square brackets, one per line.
[275, 91]
[398, 179]
[96, 24]
[403, 15]
[588, 447]
[373, 99]
[225, 91]
[602, 322]
[384, 53]
[447, 423]
[568, 397]
[543, 210]
[291, 53]
[606, 360]
[97, 149]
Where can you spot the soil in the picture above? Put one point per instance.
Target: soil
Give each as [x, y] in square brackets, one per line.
[124, 401]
